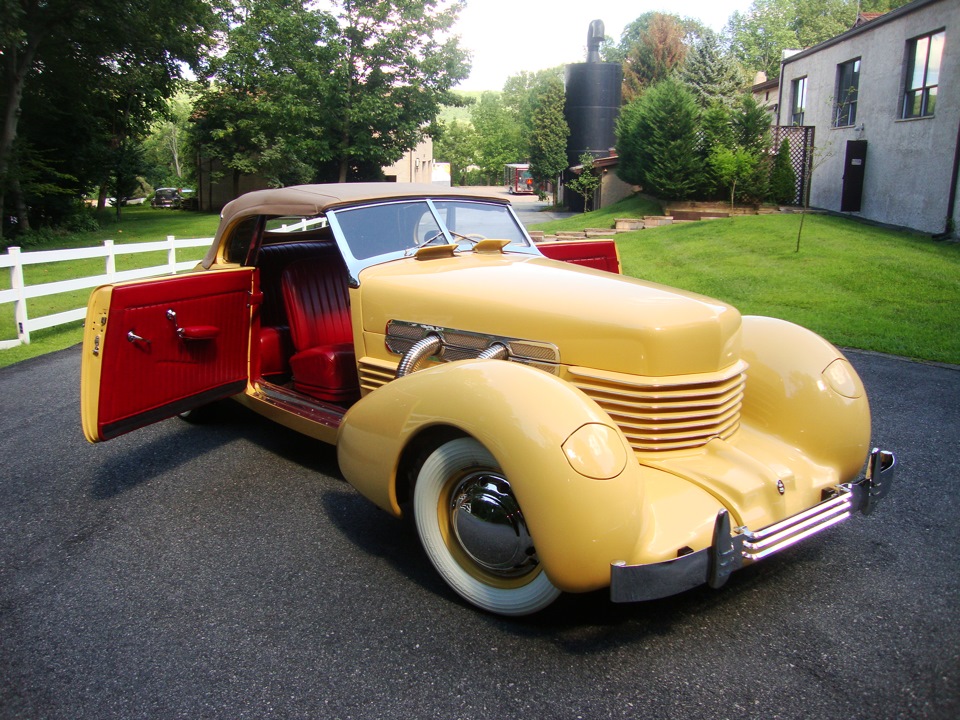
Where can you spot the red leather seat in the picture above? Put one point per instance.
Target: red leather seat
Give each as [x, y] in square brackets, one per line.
[317, 301]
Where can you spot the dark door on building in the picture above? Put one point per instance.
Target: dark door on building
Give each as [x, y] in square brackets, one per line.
[853, 167]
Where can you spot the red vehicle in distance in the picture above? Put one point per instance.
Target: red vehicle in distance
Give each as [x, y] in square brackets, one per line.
[517, 178]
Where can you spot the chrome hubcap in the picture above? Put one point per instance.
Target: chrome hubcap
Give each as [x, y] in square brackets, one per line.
[489, 526]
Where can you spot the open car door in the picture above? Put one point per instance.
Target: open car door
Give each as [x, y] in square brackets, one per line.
[155, 348]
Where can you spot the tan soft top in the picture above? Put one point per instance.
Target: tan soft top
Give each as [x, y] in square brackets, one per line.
[312, 200]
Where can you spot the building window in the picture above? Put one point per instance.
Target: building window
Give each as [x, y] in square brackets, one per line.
[848, 88]
[923, 75]
[799, 100]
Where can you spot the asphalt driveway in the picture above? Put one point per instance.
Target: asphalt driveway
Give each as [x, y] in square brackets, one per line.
[227, 571]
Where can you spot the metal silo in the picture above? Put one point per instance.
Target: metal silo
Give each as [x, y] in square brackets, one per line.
[592, 100]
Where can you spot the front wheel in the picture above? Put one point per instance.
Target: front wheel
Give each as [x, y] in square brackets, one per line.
[473, 531]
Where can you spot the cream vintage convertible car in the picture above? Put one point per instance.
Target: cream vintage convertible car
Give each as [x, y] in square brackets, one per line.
[550, 427]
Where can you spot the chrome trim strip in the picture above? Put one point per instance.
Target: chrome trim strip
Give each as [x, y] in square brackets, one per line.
[815, 510]
[299, 404]
[748, 547]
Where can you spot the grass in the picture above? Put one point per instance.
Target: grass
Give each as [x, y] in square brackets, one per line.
[636, 206]
[137, 224]
[858, 285]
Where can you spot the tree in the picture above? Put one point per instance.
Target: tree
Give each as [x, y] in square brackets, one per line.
[733, 165]
[456, 144]
[396, 66]
[548, 142]
[742, 163]
[587, 180]
[712, 74]
[105, 63]
[783, 178]
[520, 92]
[759, 36]
[659, 49]
[166, 147]
[264, 113]
[751, 124]
[633, 32]
[657, 142]
[500, 139]
[716, 131]
[302, 94]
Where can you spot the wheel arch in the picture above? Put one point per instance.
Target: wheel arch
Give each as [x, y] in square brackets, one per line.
[522, 416]
[415, 453]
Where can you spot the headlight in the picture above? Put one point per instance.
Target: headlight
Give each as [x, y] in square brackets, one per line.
[596, 451]
[843, 379]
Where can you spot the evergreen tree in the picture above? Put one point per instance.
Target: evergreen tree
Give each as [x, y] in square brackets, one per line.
[548, 143]
[710, 73]
[751, 124]
[744, 164]
[657, 141]
[716, 131]
[658, 51]
[783, 178]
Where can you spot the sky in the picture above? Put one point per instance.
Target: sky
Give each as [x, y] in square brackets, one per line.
[509, 36]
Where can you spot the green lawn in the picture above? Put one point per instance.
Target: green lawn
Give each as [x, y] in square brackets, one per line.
[858, 285]
[138, 224]
[636, 206]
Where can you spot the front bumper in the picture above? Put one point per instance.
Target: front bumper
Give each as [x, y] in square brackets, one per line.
[734, 547]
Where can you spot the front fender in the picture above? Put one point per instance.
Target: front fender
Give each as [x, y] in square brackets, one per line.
[801, 389]
[523, 416]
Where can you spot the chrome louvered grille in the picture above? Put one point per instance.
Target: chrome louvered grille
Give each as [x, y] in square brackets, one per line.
[673, 413]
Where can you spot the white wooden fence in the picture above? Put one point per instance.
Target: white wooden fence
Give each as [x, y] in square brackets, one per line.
[19, 293]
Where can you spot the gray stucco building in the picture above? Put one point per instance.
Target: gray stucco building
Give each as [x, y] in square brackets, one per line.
[884, 98]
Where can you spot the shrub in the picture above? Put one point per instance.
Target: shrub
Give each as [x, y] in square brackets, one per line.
[783, 179]
[657, 141]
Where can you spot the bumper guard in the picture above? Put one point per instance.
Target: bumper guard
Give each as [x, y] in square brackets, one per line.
[732, 548]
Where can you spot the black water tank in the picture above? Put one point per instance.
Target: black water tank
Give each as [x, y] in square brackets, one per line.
[593, 103]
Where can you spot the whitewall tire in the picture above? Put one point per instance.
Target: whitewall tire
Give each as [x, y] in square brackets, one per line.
[473, 531]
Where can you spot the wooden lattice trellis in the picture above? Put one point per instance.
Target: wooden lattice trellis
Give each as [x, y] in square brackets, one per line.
[801, 156]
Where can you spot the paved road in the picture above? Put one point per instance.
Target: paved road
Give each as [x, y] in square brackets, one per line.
[226, 571]
[529, 208]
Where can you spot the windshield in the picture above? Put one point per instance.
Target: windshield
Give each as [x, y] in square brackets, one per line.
[400, 227]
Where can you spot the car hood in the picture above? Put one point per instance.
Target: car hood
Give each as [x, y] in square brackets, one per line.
[596, 319]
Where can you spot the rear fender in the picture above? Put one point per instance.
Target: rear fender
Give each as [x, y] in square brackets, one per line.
[523, 416]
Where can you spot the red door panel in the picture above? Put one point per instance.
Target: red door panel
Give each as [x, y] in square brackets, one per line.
[171, 345]
[597, 254]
